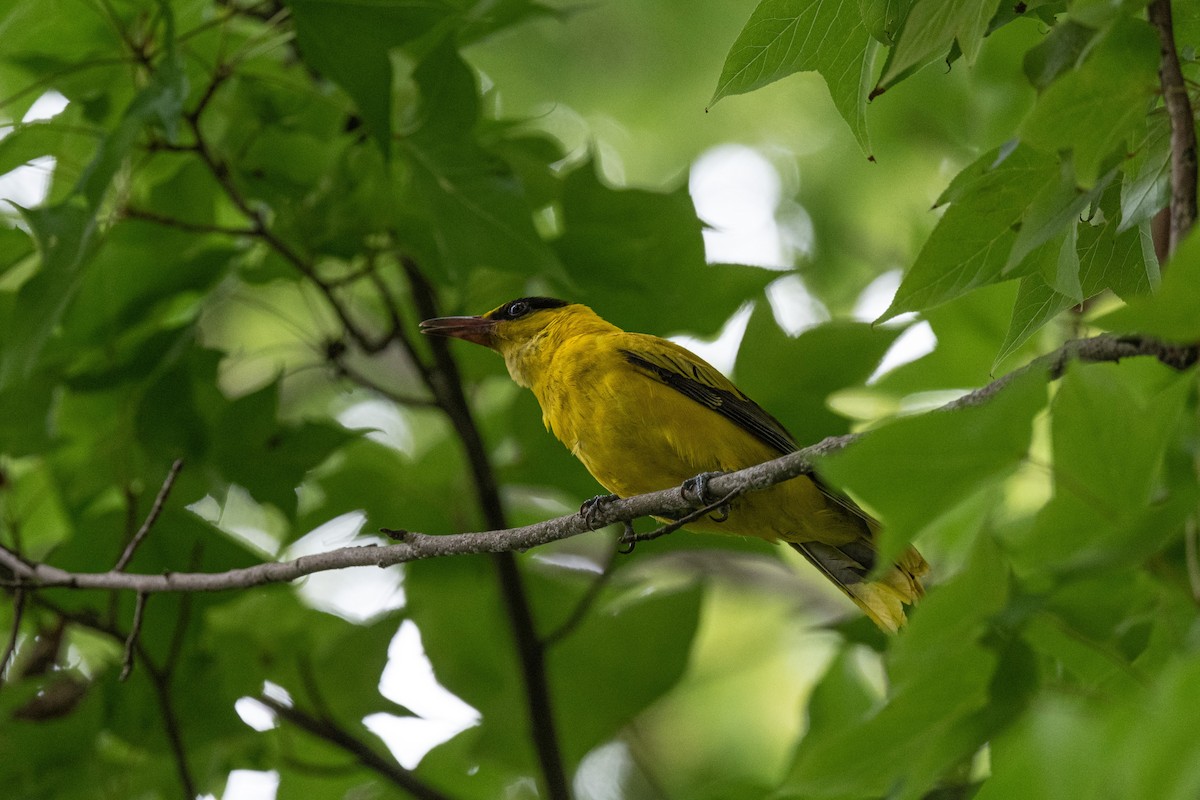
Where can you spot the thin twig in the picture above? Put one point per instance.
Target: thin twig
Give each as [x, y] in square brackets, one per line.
[583, 606]
[18, 612]
[183, 224]
[354, 376]
[1183, 125]
[671, 527]
[155, 510]
[131, 639]
[366, 755]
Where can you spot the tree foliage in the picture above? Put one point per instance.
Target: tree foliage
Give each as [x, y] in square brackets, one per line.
[209, 359]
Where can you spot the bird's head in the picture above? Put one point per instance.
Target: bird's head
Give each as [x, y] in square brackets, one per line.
[510, 326]
[519, 330]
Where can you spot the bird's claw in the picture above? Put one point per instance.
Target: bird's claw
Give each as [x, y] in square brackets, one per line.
[695, 490]
[628, 540]
[591, 508]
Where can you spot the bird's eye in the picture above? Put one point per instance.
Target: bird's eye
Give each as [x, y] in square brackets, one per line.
[518, 309]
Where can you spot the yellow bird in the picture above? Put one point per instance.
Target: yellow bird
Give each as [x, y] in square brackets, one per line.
[643, 414]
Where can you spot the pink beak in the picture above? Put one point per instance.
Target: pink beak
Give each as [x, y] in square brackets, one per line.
[472, 329]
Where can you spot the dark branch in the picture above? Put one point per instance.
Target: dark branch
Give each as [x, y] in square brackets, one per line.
[151, 518]
[183, 224]
[1105, 347]
[1183, 125]
[582, 607]
[131, 639]
[445, 382]
[367, 756]
[162, 690]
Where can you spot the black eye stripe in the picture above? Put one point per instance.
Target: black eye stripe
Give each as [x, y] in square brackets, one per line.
[515, 309]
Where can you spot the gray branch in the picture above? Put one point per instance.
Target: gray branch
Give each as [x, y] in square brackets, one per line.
[666, 503]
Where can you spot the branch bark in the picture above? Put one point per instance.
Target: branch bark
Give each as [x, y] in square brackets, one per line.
[1183, 125]
[665, 503]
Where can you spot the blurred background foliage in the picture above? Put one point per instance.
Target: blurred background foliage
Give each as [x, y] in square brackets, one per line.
[225, 218]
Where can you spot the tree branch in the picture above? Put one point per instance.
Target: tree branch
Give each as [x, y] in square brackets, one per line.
[131, 640]
[151, 518]
[1183, 125]
[129, 212]
[665, 503]
[364, 754]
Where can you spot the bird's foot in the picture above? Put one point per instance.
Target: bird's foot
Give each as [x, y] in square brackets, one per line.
[628, 540]
[592, 508]
[695, 490]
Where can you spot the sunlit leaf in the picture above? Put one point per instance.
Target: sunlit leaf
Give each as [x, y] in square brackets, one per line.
[1093, 110]
[929, 30]
[913, 469]
[971, 244]
[783, 37]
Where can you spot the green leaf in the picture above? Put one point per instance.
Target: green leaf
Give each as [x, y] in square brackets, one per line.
[1108, 258]
[1062, 747]
[783, 37]
[457, 606]
[15, 246]
[819, 362]
[160, 102]
[1108, 507]
[599, 689]
[1094, 110]
[390, 487]
[269, 457]
[64, 237]
[1092, 456]
[1055, 749]
[1171, 311]
[1036, 304]
[302, 650]
[969, 331]
[930, 29]
[1112, 256]
[943, 456]
[1062, 49]
[349, 41]
[1145, 189]
[621, 246]
[125, 285]
[936, 712]
[470, 198]
[1053, 210]
[972, 241]
[25, 425]
[883, 18]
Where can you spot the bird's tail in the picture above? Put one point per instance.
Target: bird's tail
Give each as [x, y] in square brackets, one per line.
[882, 599]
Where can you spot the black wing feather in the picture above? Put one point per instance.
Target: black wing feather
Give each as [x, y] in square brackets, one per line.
[734, 406]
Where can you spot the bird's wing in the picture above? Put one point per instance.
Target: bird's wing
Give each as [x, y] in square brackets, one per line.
[692, 377]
